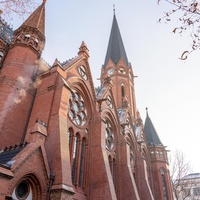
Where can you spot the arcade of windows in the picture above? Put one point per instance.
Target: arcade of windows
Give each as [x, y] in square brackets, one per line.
[27, 38]
[77, 141]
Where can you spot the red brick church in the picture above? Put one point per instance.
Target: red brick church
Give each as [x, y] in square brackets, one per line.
[62, 138]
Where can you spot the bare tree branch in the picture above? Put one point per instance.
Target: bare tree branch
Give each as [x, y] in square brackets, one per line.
[179, 170]
[188, 15]
[12, 8]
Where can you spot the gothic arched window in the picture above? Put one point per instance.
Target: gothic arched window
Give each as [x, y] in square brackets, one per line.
[70, 135]
[164, 186]
[112, 163]
[1, 55]
[123, 90]
[36, 41]
[114, 172]
[109, 136]
[27, 37]
[81, 171]
[74, 158]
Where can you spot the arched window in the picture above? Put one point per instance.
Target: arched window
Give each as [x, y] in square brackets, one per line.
[110, 163]
[28, 187]
[27, 37]
[1, 55]
[70, 135]
[123, 90]
[114, 172]
[164, 186]
[36, 41]
[109, 136]
[74, 158]
[81, 171]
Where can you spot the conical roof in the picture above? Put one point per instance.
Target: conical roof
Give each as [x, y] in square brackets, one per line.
[151, 134]
[116, 48]
[37, 19]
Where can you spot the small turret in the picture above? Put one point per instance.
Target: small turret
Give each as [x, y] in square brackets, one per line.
[159, 162]
[32, 32]
[84, 50]
[150, 132]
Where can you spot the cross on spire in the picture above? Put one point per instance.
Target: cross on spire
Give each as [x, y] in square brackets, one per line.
[114, 9]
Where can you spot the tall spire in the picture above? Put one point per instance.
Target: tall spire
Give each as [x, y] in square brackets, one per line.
[150, 132]
[116, 48]
[37, 19]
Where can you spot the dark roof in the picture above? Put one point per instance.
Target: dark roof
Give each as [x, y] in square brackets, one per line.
[115, 49]
[151, 134]
[8, 153]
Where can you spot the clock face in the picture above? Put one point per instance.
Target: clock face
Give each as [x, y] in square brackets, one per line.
[110, 71]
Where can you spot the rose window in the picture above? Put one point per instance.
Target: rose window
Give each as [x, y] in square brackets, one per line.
[109, 136]
[77, 110]
[82, 72]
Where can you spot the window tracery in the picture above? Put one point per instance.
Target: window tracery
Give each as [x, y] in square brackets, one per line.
[109, 102]
[77, 110]
[109, 136]
[82, 72]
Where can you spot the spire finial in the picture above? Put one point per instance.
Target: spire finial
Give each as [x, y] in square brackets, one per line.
[147, 111]
[44, 1]
[114, 9]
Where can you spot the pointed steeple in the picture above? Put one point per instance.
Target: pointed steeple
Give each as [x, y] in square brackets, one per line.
[116, 48]
[150, 132]
[37, 19]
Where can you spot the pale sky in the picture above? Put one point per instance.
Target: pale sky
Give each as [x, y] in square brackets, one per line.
[166, 85]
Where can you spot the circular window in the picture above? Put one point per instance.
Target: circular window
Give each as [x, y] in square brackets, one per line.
[22, 190]
[82, 72]
[77, 111]
[109, 101]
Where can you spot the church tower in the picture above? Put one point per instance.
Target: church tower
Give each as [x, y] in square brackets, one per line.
[159, 162]
[117, 68]
[17, 77]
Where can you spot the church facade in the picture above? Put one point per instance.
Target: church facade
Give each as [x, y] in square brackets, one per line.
[62, 138]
